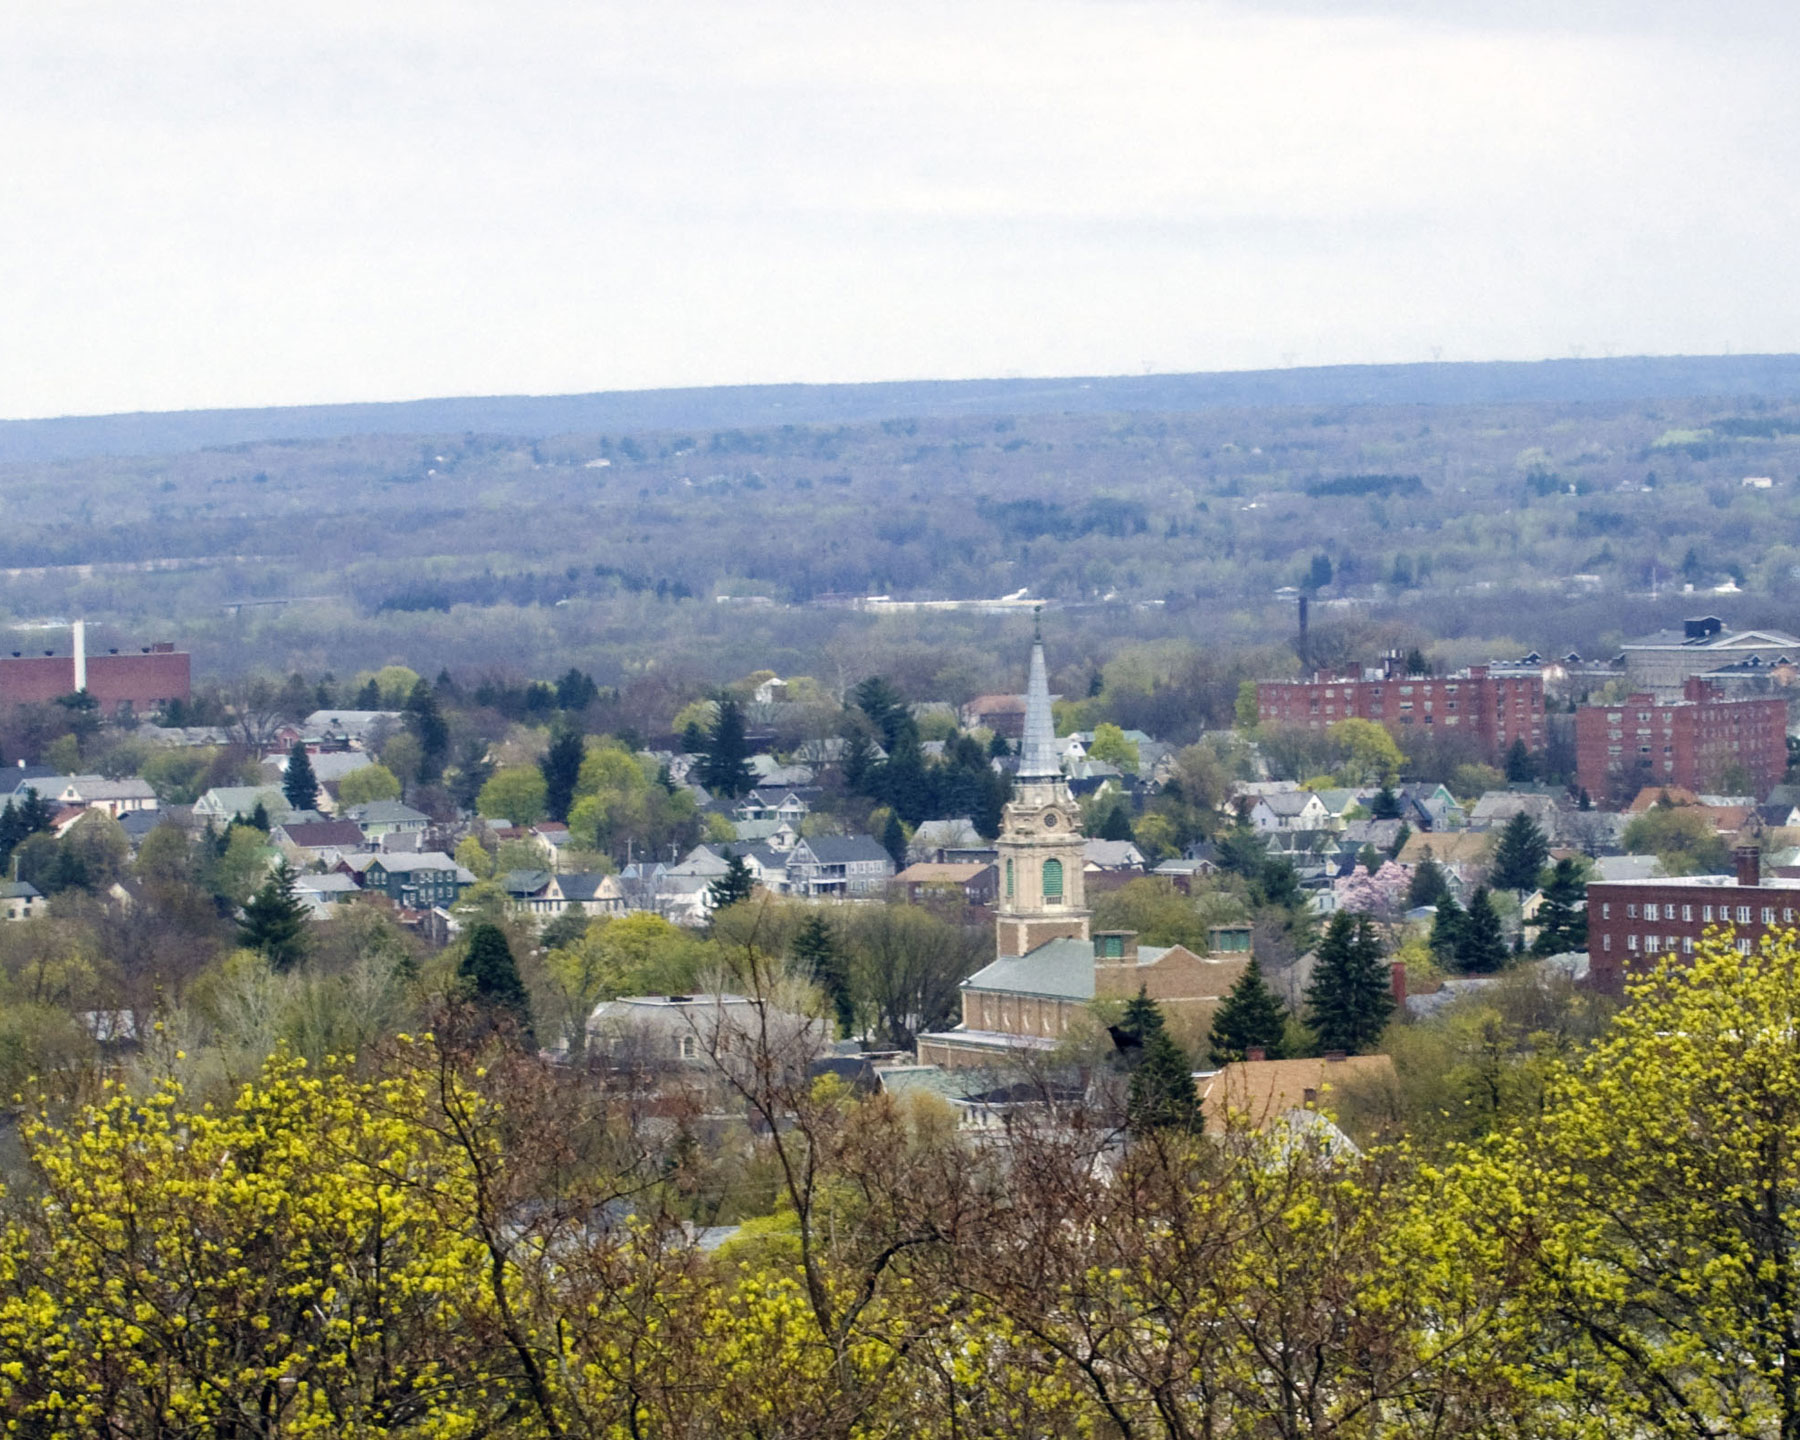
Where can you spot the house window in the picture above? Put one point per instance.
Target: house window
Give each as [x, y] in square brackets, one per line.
[1606, 942]
[1687, 944]
[1606, 910]
[1768, 914]
[1743, 914]
[1650, 912]
[1687, 912]
[1053, 880]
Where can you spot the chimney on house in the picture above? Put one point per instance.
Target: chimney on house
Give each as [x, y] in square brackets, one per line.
[1336, 1057]
[1397, 981]
[1256, 1053]
[1116, 947]
[1748, 859]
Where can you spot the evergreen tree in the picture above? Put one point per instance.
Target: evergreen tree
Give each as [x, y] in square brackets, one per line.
[1115, 823]
[893, 840]
[734, 885]
[1480, 945]
[300, 787]
[369, 697]
[816, 948]
[1369, 858]
[28, 815]
[426, 723]
[259, 817]
[693, 738]
[1447, 928]
[1427, 886]
[274, 921]
[1519, 768]
[1142, 1019]
[1161, 1095]
[1521, 854]
[576, 691]
[725, 769]
[561, 769]
[489, 977]
[998, 746]
[1401, 836]
[885, 707]
[1385, 805]
[1250, 1017]
[1561, 925]
[1351, 994]
[859, 764]
[1586, 802]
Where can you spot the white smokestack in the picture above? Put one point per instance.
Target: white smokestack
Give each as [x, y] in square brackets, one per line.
[80, 637]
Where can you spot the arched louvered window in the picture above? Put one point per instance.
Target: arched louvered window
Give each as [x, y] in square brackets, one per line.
[1053, 880]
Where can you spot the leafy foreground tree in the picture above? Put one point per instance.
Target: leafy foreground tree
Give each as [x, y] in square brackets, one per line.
[1351, 994]
[1651, 1216]
[490, 978]
[1250, 1017]
[274, 923]
[299, 786]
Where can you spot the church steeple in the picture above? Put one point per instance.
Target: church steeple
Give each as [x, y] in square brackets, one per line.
[1037, 750]
[1041, 848]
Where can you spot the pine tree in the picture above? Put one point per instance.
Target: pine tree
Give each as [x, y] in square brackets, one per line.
[1480, 946]
[1521, 854]
[1561, 925]
[733, 886]
[816, 949]
[859, 764]
[426, 722]
[489, 977]
[1401, 836]
[885, 706]
[1161, 1095]
[1519, 768]
[259, 817]
[1351, 994]
[893, 840]
[1427, 886]
[725, 770]
[1385, 805]
[369, 697]
[1446, 928]
[274, 922]
[1143, 1017]
[1251, 1017]
[300, 787]
[561, 768]
[1115, 824]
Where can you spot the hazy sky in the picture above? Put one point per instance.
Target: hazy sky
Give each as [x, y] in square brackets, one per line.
[228, 204]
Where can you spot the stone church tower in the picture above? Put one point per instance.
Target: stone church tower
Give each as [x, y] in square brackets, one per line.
[1041, 889]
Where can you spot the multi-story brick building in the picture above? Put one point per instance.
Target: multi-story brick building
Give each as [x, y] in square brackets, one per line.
[1632, 924]
[1492, 710]
[143, 679]
[1703, 742]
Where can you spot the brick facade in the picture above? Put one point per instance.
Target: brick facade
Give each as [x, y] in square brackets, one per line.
[1695, 743]
[1633, 924]
[1494, 710]
[143, 680]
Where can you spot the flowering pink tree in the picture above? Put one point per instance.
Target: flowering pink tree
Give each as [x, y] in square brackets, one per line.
[1382, 894]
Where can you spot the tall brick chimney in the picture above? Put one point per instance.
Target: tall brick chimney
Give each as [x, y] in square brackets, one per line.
[1748, 859]
[1397, 980]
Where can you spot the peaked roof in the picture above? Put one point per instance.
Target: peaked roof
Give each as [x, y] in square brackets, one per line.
[1038, 758]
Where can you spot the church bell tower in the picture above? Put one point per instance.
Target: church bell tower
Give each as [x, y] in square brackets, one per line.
[1041, 889]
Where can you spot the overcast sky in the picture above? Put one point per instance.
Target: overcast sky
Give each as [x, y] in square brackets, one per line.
[228, 204]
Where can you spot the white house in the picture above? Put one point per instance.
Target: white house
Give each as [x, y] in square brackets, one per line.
[1289, 810]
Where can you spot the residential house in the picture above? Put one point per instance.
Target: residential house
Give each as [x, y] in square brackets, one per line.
[528, 890]
[20, 900]
[787, 807]
[417, 881]
[972, 883]
[225, 803]
[96, 792]
[1259, 1093]
[353, 728]
[1495, 808]
[318, 840]
[934, 837]
[589, 892]
[853, 867]
[1430, 807]
[1289, 810]
[321, 892]
[670, 1031]
[1110, 855]
[380, 818]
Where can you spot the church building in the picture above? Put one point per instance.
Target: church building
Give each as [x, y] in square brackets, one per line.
[1049, 967]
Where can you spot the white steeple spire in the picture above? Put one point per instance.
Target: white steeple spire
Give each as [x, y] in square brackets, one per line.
[1037, 750]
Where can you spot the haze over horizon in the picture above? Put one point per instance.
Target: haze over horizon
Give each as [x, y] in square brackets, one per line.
[217, 208]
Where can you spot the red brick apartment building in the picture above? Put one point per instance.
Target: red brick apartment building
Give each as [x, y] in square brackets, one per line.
[143, 679]
[1694, 743]
[1493, 709]
[1634, 923]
